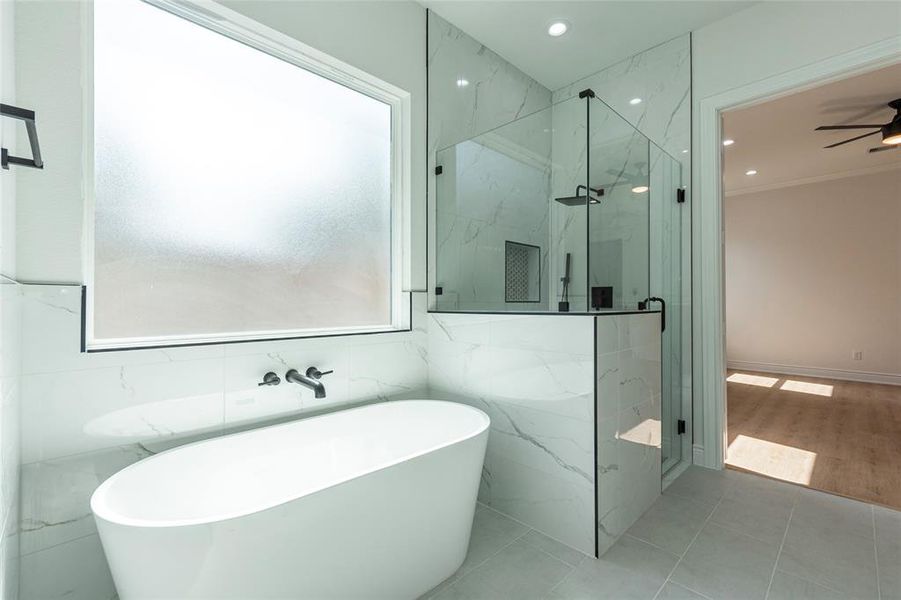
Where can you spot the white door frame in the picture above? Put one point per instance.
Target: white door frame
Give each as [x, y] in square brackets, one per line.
[710, 329]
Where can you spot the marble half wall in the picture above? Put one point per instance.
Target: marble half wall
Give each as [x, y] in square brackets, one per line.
[541, 380]
[628, 421]
[533, 376]
[86, 416]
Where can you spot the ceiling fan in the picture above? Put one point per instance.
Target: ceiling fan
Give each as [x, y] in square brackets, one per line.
[891, 131]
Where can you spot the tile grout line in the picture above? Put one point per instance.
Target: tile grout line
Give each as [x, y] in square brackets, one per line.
[482, 563]
[781, 546]
[876, 551]
[568, 575]
[58, 544]
[629, 535]
[538, 531]
[689, 589]
[728, 527]
[687, 548]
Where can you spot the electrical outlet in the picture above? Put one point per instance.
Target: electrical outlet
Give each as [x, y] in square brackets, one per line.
[857, 355]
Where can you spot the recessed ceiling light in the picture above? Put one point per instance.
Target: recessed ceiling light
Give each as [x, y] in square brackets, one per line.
[557, 28]
[640, 189]
[728, 142]
[751, 172]
[462, 82]
[635, 101]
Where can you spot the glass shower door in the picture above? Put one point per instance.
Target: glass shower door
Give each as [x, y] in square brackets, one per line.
[666, 281]
[618, 275]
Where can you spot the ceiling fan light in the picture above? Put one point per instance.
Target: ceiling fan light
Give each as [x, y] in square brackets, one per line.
[891, 133]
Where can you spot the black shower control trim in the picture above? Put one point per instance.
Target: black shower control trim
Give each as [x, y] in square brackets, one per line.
[270, 378]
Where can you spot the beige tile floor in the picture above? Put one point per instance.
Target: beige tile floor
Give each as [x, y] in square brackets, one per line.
[712, 534]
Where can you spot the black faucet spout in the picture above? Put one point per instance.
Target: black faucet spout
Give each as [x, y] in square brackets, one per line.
[309, 379]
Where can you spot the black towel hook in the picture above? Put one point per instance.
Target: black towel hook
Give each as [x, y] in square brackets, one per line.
[28, 117]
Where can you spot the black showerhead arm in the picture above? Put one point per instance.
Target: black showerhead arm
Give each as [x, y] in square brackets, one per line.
[579, 199]
[598, 191]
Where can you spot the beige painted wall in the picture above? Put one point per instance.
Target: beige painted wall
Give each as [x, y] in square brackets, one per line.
[813, 272]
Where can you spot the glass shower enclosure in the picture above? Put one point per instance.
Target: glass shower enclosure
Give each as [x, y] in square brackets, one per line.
[567, 209]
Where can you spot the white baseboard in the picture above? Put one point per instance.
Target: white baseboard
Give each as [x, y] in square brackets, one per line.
[865, 376]
[697, 455]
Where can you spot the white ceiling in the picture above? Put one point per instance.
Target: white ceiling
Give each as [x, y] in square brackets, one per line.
[777, 137]
[601, 33]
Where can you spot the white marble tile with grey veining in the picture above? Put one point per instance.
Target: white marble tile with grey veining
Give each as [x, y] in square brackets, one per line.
[628, 426]
[559, 507]
[539, 466]
[494, 93]
[56, 495]
[661, 77]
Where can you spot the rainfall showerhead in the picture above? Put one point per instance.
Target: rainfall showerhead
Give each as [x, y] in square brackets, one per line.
[579, 199]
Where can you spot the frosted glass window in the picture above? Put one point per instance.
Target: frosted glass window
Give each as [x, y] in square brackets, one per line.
[235, 193]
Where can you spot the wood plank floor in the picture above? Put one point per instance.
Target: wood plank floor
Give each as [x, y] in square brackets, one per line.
[842, 437]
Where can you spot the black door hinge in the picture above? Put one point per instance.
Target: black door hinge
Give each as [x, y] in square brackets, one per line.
[439, 291]
[680, 195]
[439, 170]
[680, 426]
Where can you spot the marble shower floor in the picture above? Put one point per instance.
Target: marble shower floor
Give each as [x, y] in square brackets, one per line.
[712, 534]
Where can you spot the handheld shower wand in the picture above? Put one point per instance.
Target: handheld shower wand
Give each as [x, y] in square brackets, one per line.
[563, 305]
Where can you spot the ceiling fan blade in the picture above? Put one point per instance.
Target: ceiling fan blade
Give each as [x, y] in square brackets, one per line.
[851, 140]
[831, 127]
[881, 148]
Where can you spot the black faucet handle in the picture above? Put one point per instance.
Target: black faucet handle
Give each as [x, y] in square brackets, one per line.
[316, 373]
[270, 378]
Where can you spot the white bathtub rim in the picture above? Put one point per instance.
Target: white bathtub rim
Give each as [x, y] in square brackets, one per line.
[102, 512]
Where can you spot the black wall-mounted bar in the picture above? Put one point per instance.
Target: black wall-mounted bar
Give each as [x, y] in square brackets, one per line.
[27, 116]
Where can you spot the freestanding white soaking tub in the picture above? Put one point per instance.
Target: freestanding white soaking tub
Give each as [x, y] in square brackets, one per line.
[372, 502]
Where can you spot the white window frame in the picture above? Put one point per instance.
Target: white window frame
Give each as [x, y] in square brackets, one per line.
[242, 29]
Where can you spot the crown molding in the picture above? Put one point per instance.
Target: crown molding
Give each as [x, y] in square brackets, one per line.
[816, 179]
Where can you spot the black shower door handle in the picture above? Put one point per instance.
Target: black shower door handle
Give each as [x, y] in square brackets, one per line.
[644, 304]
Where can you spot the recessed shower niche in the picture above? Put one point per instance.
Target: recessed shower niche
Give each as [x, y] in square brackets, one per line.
[522, 272]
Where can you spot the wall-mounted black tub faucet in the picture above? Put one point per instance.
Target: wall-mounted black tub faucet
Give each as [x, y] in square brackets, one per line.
[310, 380]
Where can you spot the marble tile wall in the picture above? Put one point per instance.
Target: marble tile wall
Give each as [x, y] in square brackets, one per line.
[533, 376]
[628, 421]
[488, 194]
[496, 91]
[85, 416]
[661, 77]
[495, 94]
[10, 325]
[10, 403]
